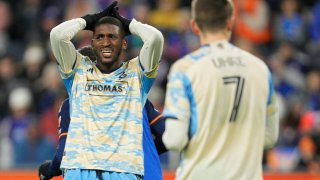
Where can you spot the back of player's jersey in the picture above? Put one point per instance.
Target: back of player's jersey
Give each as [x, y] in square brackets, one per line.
[229, 95]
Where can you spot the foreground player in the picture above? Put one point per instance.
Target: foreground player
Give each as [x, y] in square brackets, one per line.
[107, 98]
[153, 121]
[220, 103]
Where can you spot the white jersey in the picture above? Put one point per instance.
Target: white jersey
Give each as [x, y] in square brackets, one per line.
[105, 131]
[225, 96]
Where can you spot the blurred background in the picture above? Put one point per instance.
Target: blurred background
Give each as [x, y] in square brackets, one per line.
[284, 33]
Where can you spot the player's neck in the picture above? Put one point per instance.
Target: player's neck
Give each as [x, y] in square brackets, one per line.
[109, 68]
[208, 38]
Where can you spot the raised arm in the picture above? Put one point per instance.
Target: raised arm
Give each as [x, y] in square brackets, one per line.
[152, 38]
[62, 47]
[152, 48]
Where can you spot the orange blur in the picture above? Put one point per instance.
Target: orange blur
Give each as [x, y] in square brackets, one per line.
[32, 175]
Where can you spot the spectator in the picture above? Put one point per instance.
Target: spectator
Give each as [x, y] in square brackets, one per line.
[8, 80]
[289, 24]
[14, 127]
[5, 20]
[252, 21]
[33, 148]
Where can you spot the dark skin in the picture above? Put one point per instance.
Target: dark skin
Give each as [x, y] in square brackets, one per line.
[108, 43]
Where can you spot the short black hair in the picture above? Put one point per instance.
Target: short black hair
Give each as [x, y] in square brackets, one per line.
[111, 20]
[212, 15]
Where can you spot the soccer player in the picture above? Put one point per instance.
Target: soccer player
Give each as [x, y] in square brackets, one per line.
[153, 124]
[106, 98]
[220, 105]
[152, 140]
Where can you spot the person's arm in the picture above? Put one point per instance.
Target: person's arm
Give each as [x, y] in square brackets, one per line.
[157, 126]
[152, 38]
[272, 120]
[152, 48]
[50, 169]
[177, 110]
[61, 45]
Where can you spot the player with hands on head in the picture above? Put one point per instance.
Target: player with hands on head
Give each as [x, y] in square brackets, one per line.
[106, 98]
[220, 104]
[153, 124]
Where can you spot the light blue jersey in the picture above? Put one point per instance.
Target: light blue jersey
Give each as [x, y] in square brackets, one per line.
[108, 138]
[105, 131]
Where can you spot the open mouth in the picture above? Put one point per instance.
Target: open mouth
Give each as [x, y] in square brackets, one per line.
[106, 53]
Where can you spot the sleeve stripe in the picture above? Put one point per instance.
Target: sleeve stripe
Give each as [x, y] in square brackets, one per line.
[156, 119]
[63, 134]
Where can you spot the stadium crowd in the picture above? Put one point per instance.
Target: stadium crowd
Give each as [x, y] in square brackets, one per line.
[285, 33]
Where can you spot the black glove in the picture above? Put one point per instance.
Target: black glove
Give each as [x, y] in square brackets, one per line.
[125, 22]
[91, 19]
[44, 171]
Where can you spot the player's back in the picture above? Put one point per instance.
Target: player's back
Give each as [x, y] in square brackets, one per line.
[229, 91]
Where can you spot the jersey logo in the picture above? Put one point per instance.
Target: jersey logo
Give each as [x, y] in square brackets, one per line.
[102, 89]
[90, 70]
[122, 75]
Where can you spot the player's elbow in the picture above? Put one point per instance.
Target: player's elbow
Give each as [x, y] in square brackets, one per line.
[157, 40]
[175, 137]
[174, 144]
[270, 141]
[56, 35]
[271, 138]
[272, 131]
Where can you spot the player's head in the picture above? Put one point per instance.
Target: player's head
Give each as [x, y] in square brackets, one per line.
[212, 16]
[108, 42]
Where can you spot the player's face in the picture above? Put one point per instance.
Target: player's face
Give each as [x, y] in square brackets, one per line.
[108, 44]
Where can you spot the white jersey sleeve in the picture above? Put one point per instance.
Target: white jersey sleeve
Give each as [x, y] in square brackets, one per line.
[152, 48]
[272, 121]
[61, 45]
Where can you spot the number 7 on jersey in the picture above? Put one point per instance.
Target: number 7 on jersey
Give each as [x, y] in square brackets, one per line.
[239, 82]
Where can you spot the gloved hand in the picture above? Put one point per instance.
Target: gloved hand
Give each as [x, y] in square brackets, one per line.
[91, 19]
[125, 22]
[44, 171]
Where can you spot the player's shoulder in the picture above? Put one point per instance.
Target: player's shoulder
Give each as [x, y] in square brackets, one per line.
[84, 62]
[253, 59]
[134, 62]
[184, 63]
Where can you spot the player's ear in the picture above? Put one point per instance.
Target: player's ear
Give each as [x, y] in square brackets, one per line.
[230, 23]
[194, 27]
[124, 44]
